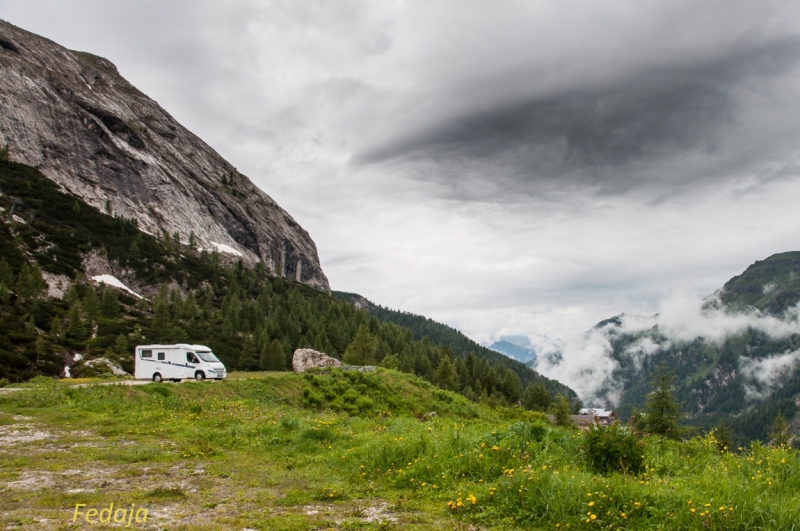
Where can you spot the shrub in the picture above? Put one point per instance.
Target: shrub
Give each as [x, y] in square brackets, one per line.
[613, 448]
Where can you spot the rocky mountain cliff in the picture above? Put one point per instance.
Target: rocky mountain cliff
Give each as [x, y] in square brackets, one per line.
[76, 119]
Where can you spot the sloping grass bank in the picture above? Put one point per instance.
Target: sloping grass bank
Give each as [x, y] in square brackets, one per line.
[332, 450]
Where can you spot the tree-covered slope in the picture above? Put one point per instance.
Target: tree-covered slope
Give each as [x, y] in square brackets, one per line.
[51, 310]
[743, 377]
[771, 285]
[447, 336]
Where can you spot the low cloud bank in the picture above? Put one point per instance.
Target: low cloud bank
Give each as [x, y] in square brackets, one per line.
[585, 363]
[765, 375]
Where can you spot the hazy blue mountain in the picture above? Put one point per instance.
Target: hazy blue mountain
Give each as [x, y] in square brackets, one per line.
[513, 350]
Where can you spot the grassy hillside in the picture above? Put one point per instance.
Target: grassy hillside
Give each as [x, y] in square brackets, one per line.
[258, 453]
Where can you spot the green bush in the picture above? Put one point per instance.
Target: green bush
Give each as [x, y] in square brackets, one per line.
[613, 448]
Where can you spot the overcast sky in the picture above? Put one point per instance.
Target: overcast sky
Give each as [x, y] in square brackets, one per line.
[505, 167]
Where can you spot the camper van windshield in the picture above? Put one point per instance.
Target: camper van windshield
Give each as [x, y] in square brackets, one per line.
[207, 355]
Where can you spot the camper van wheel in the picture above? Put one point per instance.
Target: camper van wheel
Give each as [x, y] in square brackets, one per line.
[199, 376]
[157, 378]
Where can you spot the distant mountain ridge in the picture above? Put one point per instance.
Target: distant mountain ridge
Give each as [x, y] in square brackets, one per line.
[742, 369]
[515, 351]
[771, 286]
[72, 116]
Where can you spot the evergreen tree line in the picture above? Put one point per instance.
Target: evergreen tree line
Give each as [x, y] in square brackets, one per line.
[459, 344]
[251, 319]
[254, 321]
[663, 415]
[710, 400]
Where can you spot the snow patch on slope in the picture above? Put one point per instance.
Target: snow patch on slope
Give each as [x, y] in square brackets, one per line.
[114, 281]
[222, 248]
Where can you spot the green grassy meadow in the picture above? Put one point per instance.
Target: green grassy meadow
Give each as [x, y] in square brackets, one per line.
[355, 451]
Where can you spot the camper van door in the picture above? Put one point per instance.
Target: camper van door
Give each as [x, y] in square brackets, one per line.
[177, 363]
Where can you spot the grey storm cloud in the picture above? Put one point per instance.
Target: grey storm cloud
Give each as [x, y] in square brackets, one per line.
[610, 133]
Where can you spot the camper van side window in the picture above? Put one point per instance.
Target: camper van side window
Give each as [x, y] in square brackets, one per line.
[147, 353]
[160, 356]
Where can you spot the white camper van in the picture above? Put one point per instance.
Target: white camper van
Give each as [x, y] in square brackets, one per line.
[176, 363]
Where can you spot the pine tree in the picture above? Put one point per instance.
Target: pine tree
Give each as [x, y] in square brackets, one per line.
[6, 275]
[406, 361]
[512, 386]
[361, 350]
[288, 352]
[71, 295]
[273, 357]
[137, 337]
[160, 326]
[249, 359]
[464, 377]
[561, 411]
[30, 284]
[121, 345]
[422, 365]
[175, 303]
[446, 376]
[390, 361]
[133, 250]
[537, 398]
[30, 328]
[233, 287]
[76, 328]
[230, 324]
[56, 330]
[42, 352]
[723, 437]
[190, 309]
[780, 431]
[663, 411]
[109, 304]
[91, 304]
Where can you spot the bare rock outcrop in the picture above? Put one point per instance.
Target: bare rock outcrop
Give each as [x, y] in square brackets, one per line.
[75, 118]
[306, 358]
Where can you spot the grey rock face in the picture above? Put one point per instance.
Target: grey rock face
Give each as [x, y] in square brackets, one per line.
[306, 358]
[72, 116]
